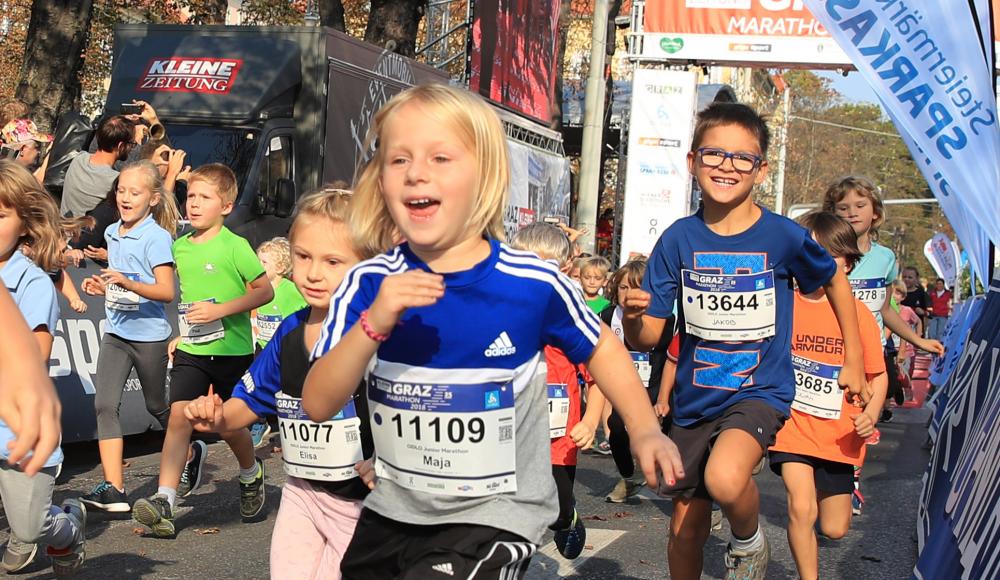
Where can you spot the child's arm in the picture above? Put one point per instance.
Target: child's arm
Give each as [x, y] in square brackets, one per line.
[662, 406]
[864, 422]
[162, 290]
[852, 375]
[583, 433]
[28, 400]
[258, 294]
[642, 331]
[334, 377]
[612, 368]
[209, 414]
[65, 287]
[894, 322]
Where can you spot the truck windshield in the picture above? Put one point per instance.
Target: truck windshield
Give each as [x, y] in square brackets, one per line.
[229, 146]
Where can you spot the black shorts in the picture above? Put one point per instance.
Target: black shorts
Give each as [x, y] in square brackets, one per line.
[383, 549]
[831, 477]
[760, 420]
[193, 373]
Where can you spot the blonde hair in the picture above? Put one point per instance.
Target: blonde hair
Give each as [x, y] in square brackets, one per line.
[864, 187]
[599, 263]
[479, 129]
[45, 232]
[281, 253]
[900, 286]
[218, 176]
[546, 240]
[633, 271]
[332, 204]
[165, 211]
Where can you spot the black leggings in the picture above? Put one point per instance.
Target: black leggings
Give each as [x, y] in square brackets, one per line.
[564, 475]
[621, 446]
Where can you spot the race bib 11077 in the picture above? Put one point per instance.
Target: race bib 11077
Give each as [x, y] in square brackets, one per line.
[446, 439]
[324, 451]
[816, 390]
[736, 307]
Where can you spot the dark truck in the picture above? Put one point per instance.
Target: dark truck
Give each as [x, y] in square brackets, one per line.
[287, 108]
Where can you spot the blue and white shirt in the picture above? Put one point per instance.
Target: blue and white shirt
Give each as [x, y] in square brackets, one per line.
[136, 254]
[457, 394]
[734, 305]
[35, 296]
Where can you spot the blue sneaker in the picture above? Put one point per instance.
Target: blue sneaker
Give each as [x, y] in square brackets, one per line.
[570, 542]
[259, 433]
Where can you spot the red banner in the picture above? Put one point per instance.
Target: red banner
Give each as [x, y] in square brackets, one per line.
[737, 17]
[514, 54]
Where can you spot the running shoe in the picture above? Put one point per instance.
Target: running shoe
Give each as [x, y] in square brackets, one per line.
[252, 494]
[759, 466]
[570, 542]
[857, 502]
[886, 416]
[67, 561]
[874, 438]
[156, 514]
[748, 565]
[259, 433]
[625, 488]
[18, 555]
[601, 446]
[106, 497]
[191, 476]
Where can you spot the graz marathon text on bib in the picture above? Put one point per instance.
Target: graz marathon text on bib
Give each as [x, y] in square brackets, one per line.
[324, 451]
[729, 306]
[445, 439]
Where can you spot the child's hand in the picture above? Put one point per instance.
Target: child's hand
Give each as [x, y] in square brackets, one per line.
[661, 408]
[203, 313]
[93, 286]
[171, 347]
[30, 407]
[399, 292]
[366, 471]
[583, 434]
[636, 303]
[205, 413]
[74, 256]
[114, 277]
[864, 424]
[78, 306]
[930, 345]
[97, 254]
[658, 457]
[852, 379]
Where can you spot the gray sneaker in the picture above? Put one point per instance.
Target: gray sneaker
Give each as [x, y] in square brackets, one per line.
[18, 555]
[156, 514]
[748, 565]
[625, 488]
[252, 495]
[67, 561]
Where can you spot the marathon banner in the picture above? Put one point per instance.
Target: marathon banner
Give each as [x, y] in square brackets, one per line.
[934, 77]
[958, 520]
[955, 334]
[944, 258]
[657, 183]
[539, 188]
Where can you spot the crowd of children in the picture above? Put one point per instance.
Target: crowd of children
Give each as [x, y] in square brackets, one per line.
[432, 384]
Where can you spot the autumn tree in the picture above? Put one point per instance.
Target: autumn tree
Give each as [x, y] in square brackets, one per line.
[393, 24]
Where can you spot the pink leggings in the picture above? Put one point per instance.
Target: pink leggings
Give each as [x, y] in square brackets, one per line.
[311, 533]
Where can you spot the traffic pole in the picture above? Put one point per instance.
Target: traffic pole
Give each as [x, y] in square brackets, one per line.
[593, 131]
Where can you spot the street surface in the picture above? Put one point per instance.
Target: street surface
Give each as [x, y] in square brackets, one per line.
[624, 541]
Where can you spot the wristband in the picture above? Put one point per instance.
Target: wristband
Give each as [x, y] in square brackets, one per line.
[369, 331]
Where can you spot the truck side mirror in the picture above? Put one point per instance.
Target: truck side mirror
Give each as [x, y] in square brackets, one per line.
[284, 200]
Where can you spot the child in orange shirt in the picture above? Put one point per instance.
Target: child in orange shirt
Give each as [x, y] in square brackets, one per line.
[816, 450]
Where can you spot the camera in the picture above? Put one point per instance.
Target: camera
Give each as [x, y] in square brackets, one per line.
[131, 109]
[9, 152]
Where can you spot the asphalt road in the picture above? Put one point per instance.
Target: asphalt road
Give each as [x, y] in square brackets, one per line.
[624, 541]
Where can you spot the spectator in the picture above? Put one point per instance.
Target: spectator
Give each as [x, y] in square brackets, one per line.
[22, 134]
[940, 309]
[916, 296]
[90, 175]
[11, 110]
[170, 163]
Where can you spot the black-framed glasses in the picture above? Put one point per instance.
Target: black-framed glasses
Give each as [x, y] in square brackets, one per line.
[742, 162]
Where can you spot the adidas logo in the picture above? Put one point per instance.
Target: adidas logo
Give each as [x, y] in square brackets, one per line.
[501, 346]
[445, 568]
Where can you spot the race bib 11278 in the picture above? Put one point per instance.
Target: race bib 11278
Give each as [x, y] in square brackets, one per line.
[870, 291]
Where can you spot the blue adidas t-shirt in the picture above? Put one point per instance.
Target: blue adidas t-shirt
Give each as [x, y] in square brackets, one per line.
[738, 290]
[457, 394]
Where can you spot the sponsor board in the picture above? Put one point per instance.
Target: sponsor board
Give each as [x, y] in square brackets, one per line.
[214, 76]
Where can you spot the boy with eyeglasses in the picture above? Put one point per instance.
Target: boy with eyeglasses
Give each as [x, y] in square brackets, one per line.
[730, 267]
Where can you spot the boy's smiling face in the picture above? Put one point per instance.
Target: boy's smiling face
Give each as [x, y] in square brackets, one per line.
[723, 185]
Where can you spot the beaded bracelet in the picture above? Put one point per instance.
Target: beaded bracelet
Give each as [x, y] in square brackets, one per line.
[365, 326]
